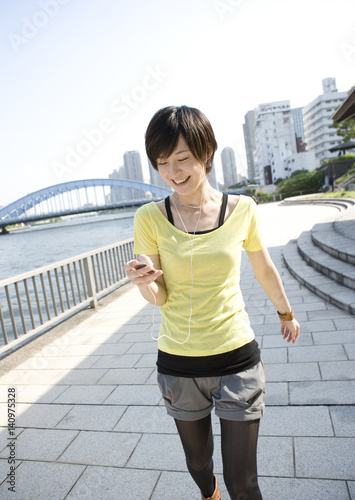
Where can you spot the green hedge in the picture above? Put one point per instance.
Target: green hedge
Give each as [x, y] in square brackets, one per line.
[308, 182]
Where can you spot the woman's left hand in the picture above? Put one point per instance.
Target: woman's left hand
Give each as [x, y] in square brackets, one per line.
[290, 330]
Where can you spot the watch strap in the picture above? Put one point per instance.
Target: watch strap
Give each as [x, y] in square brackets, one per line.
[286, 316]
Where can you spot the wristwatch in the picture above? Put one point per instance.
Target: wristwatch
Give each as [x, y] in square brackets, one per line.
[286, 316]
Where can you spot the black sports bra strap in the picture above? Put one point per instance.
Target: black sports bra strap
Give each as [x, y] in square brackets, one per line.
[168, 210]
[222, 213]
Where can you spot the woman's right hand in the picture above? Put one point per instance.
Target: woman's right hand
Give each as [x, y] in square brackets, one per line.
[144, 275]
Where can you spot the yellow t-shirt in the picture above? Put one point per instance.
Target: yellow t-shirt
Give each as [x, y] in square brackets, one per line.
[219, 322]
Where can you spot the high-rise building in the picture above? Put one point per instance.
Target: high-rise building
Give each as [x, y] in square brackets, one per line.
[229, 167]
[275, 140]
[317, 118]
[133, 172]
[250, 148]
[155, 177]
[116, 194]
[212, 177]
[299, 129]
[133, 166]
[130, 170]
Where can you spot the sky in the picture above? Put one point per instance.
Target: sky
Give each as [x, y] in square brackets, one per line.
[80, 79]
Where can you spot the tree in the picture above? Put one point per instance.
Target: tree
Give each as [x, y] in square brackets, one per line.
[346, 129]
[308, 182]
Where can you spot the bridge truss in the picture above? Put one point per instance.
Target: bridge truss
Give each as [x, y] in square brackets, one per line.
[79, 197]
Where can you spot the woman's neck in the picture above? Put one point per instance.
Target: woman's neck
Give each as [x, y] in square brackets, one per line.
[197, 199]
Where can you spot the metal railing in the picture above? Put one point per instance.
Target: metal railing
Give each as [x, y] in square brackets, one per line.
[33, 301]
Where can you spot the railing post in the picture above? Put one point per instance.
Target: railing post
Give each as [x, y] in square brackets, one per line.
[90, 281]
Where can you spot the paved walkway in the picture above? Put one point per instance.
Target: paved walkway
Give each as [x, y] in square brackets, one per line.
[90, 423]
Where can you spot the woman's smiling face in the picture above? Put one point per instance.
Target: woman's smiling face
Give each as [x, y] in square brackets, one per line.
[181, 170]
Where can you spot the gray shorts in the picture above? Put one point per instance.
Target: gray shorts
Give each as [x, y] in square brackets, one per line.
[239, 396]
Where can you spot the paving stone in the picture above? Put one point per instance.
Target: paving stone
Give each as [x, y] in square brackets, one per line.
[312, 326]
[33, 394]
[325, 457]
[112, 483]
[147, 361]
[146, 419]
[316, 353]
[58, 362]
[85, 394]
[111, 349]
[274, 355]
[329, 313]
[134, 395]
[41, 444]
[336, 337]
[67, 350]
[325, 392]
[296, 421]
[311, 306]
[158, 451]
[4, 435]
[286, 372]
[337, 370]
[152, 380]
[351, 486]
[180, 486]
[345, 324]
[92, 418]
[343, 418]
[276, 393]
[37, 415]
[52, 377]
[302, 489]
[41, 480]
[350, 350]
[100, 448]
[126, 376]
[117, 361]
[5, 470]
[278, 341]
[143, 348]
[137, 337]
[275, 456]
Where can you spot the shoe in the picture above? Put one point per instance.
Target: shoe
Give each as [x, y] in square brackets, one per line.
[216, 495]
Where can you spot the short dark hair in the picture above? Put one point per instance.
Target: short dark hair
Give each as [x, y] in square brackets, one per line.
[168, 123]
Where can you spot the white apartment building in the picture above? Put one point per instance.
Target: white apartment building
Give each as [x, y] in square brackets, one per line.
[229, 167]
[317, 118]
[275, 140]
[250, 148]
[301, 161]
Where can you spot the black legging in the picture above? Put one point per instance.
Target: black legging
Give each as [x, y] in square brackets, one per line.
[239, 443]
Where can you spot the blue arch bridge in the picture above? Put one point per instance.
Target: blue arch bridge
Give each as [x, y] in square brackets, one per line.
[77, 197]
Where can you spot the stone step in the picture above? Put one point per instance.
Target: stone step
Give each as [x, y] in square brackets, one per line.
[323, 286]
[340, 203]
[345, 224]
[335, 236]
[337, 270]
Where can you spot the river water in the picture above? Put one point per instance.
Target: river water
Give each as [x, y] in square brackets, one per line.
[27, 249]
